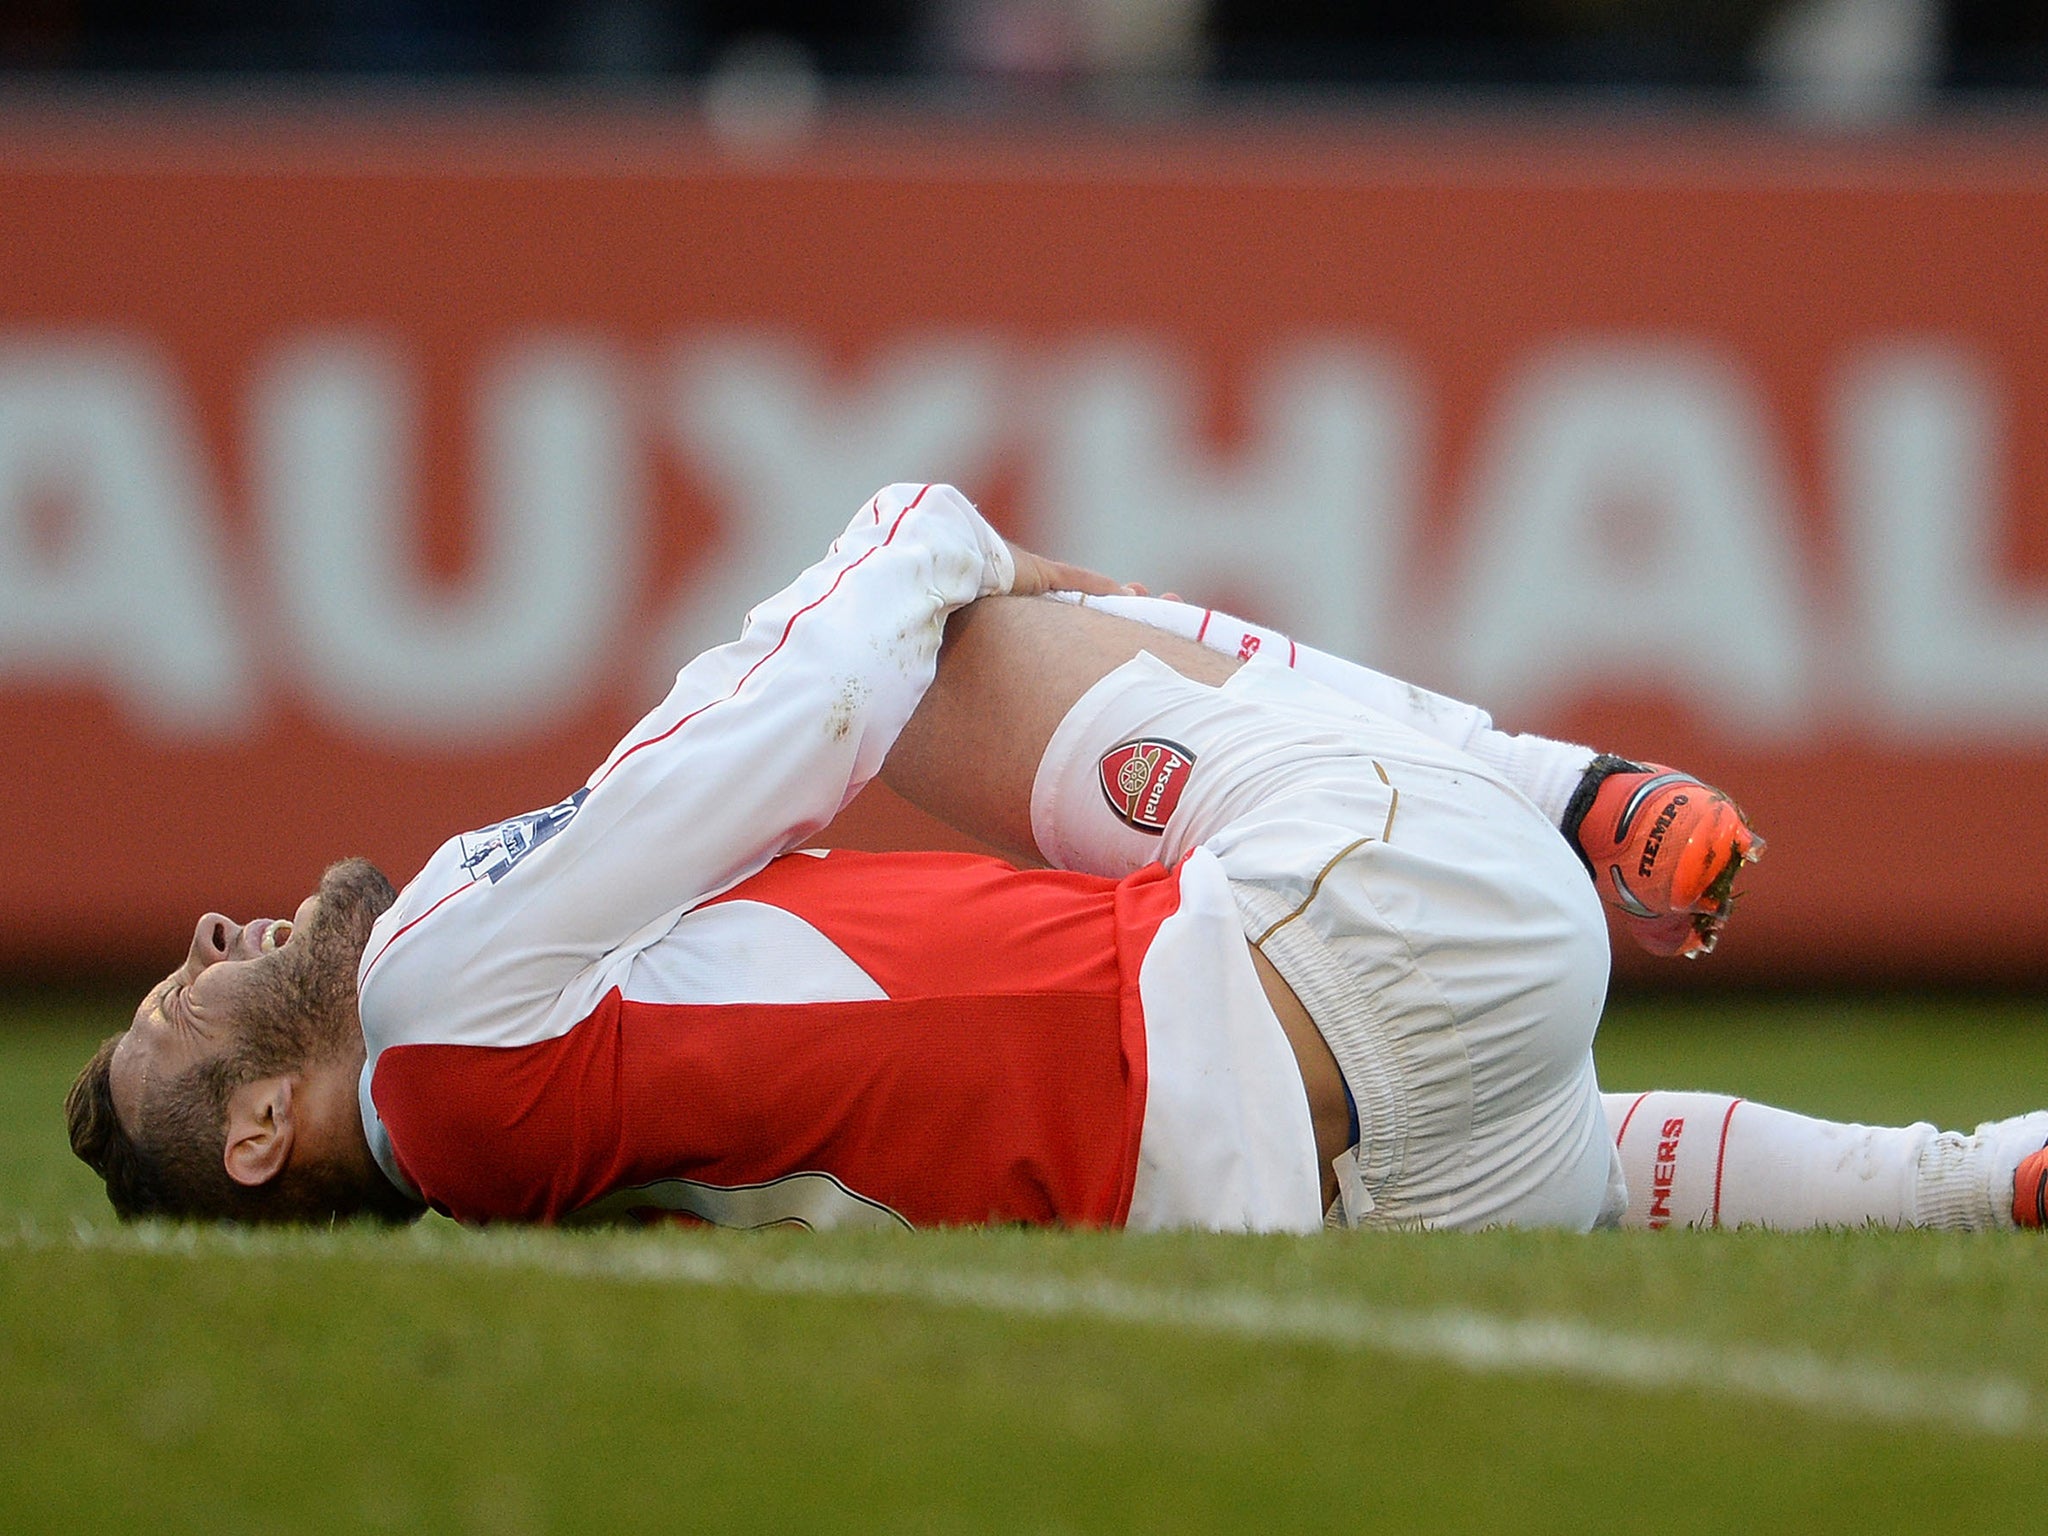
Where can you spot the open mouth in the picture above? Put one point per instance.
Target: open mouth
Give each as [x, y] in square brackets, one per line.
[274, 934]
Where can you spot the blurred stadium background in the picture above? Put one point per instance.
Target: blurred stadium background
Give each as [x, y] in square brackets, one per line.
[391, 393]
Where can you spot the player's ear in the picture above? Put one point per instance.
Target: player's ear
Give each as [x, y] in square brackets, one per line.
[259, 1131]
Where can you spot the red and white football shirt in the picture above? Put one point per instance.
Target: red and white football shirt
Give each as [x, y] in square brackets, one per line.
[641, 999]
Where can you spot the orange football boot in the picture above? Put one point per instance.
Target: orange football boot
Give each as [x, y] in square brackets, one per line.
[1664, 850]
[2030, 1191]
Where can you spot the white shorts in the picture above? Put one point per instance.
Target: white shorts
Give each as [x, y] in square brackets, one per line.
[1438, 930]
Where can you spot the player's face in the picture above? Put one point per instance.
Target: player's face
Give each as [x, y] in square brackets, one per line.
[193, 1014]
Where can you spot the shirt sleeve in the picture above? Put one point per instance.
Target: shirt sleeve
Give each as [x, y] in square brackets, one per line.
[763, 741]
[757, 746]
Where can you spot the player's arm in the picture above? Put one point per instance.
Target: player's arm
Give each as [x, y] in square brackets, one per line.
[757, 746]
[761, 741]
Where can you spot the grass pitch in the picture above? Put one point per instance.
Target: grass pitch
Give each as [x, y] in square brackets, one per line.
[172, 1380]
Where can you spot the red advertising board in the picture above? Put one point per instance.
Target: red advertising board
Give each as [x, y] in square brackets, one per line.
[362, 477]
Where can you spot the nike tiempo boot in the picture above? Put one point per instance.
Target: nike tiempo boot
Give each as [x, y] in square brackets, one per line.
[2030, 1190]
[1663, 849]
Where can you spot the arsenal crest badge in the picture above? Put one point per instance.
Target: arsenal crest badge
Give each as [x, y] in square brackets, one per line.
[1142, 781]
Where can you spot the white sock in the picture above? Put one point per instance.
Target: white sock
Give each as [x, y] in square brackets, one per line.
[1706, 1160]
[1544, 770]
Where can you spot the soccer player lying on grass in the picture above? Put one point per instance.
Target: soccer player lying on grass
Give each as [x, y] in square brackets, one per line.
[1316, 947]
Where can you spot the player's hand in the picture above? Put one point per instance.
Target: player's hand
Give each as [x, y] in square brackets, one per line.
[1037, 574]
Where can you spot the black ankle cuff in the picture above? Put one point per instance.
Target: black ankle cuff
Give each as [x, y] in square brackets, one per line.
[1582, 799]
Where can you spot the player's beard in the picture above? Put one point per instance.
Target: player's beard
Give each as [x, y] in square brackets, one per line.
[304, 1014]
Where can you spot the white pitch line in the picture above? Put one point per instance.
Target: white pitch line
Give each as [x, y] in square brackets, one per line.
[1480, 1343]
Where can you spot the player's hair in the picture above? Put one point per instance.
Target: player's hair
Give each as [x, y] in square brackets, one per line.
[97, 1137]
[171, 1163]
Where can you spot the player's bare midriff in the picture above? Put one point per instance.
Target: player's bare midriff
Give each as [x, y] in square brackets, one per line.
[1319, 1075]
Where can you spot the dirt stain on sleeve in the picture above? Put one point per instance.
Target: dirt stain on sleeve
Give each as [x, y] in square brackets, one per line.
[846, 708]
